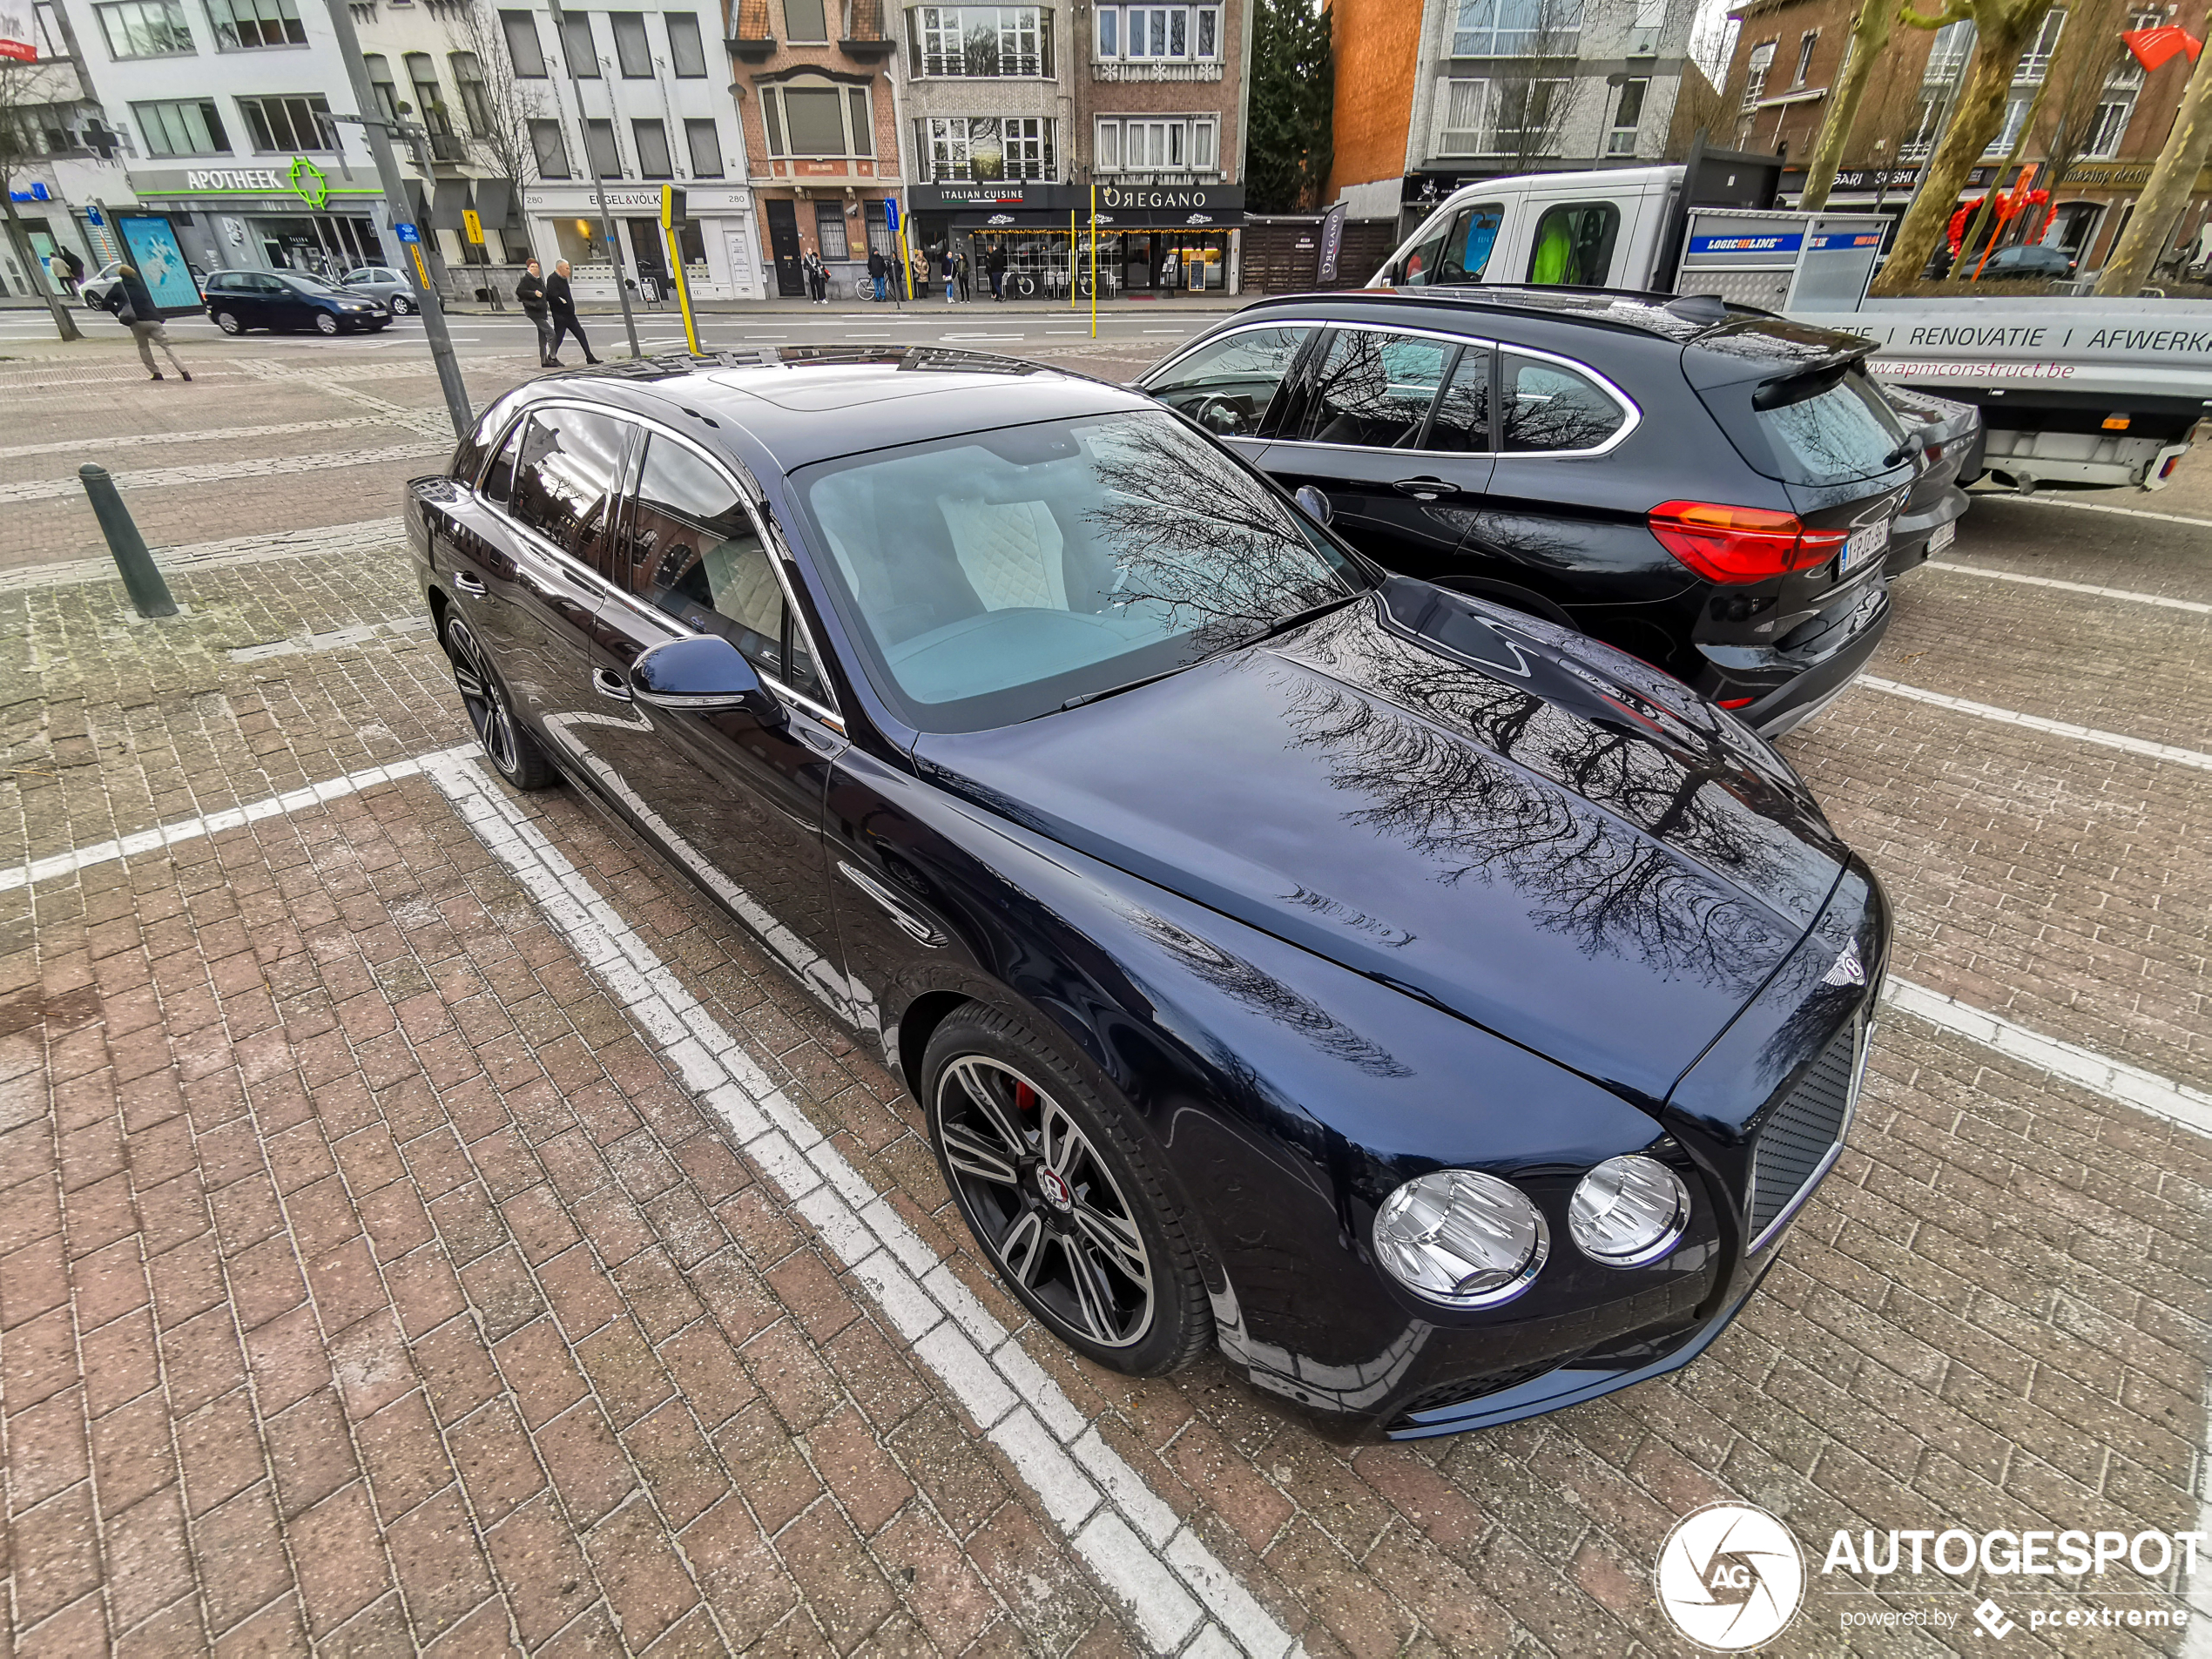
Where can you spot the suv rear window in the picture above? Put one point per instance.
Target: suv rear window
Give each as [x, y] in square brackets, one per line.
[1827, 426]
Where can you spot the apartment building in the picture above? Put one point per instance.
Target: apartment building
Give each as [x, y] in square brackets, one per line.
[1476, 89]
[60, 123]
[815, 78]
[2108, 116]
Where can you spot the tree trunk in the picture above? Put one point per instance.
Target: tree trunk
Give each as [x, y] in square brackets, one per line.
[2168, 192]
[64, 324]
[1870, 38]
[1975, 120]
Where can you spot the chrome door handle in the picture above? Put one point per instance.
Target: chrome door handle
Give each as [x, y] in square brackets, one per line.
[1425, 488]
[467, 584]
[607, 683]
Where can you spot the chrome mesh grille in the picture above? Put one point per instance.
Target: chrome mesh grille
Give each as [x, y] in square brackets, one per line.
[1799, 1134]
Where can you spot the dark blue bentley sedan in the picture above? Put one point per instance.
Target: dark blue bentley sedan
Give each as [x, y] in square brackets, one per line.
[1440, 1012]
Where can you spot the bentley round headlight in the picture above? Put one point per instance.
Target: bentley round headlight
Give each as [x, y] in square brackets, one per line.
[1460, 1237]
[1628, 1211]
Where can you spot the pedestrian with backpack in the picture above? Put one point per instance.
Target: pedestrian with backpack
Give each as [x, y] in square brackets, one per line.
[134, 308]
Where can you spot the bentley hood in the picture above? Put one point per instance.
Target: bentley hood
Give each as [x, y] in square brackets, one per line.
[1485, 812]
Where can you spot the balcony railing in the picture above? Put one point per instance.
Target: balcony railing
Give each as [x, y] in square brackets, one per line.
[449, 146]
[1154, 69]
[982, 64]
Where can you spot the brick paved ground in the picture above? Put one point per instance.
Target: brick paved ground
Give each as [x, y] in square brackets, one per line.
[369, 1282]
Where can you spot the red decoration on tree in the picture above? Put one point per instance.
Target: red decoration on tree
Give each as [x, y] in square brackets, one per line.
[2007, 205]
[2153, 47]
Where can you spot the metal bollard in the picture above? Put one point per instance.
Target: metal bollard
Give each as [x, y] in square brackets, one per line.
[141, 577]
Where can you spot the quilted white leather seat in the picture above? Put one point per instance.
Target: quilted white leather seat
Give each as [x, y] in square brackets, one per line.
[1011, 551]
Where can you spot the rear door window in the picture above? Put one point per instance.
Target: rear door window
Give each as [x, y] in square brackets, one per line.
[1574, 245]
[1374, 390]
[1548, 407]
[564, 481]
[1466, 254]
[1228, 385]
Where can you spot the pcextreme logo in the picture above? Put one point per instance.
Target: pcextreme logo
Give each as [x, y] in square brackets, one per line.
[1731, 1577]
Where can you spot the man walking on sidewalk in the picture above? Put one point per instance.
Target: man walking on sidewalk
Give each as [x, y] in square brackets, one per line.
[133, 307]
[562, 304]
[996, 266]
[529, 293]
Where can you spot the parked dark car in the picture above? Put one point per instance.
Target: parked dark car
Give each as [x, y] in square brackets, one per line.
[238, 300]
[2027, 259]
[1706, 488]
[1951, 439]
[1439, 1011]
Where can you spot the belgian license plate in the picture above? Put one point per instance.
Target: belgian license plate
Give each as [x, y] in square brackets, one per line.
[1869, 541]
[1942, 536]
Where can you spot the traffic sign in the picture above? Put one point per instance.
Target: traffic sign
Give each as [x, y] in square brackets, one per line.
[675, 208]
[473, 225]
[891, 214]
[406, 232]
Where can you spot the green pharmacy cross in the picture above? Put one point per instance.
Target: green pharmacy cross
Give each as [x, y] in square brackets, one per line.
[310, 182]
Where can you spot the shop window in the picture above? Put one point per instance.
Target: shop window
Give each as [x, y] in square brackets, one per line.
[576, 45]
[246, 25]
[429, 96]
[634, 56]
[1517, 29]
[525, 52]
[986, 147]
[980, 40]
[551, 150]
[1573, 246]
[806, 22]
[829, 231]
[281, 126]
[686, 57]
[476, 105]
[599, 146]
[381, 84]
[653, 158]
[1550, 407]
[146, 29]
[188, 127]
[703, 140]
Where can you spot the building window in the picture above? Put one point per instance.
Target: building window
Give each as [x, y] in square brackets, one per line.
[1516, 117]
[651, 139]
[981, 40]
[1755, 72]
[599, 146]
[1926, 118]
[524, 48]
[189, 127]
[686, 55]
[2108, 127]
[1461, 130]
[429, 96]
[806, 22]
[1806, 41]
[475, 103]
[242, 25]
[551, 148]
[2035, 62]
[380, 83]
[704, 139]
[631, 53]
[988, 147]
[829, 231]
[1176, 143]
[285, 125]
[814, 120]
[1628, 116]
[1954, 43]
[146, 29]
[1517, 29]
[576, 47]
[1147, 33]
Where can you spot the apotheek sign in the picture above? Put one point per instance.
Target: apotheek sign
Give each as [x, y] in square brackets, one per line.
[299, 181]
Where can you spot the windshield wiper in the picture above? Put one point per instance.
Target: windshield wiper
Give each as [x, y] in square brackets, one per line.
[1281, 624]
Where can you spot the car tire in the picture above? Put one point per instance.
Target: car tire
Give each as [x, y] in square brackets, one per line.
[1088, 1240]
[325, 323]
[402, 307]
[228, 322]
[514, 754]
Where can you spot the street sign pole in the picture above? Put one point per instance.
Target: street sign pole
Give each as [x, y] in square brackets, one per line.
[899, 249]
[388, 174]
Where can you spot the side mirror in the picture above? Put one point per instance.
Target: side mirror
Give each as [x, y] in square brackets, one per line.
[705, 674]
[1314, 504]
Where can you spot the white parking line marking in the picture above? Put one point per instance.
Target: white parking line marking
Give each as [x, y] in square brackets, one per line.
[1167, 331]
[2114, 1079]
[1170, 1590]
[2195, 758]
[186, 829]
[2074, 587]
[2090, 507]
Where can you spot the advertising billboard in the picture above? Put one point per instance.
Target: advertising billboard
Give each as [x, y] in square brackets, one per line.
[152, 247]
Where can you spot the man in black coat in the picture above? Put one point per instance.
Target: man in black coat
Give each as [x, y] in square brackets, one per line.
[996, 266]
[879, 273]
[561, 303]
[529, 293]
[134, 308]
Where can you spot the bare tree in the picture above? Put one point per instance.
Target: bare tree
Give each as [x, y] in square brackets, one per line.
[500, 125]
[28, 91]
[1532, 90]
[1870, 43]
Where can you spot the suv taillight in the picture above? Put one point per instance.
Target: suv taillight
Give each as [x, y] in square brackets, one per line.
[1741, 543]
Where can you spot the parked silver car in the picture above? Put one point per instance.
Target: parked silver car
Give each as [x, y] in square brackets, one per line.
[387, 285]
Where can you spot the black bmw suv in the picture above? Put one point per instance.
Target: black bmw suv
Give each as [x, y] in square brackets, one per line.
[1708, 488]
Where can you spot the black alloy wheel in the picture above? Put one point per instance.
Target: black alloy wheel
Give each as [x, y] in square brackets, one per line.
[513, 752]
[1056, 1189]
[228, 322]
